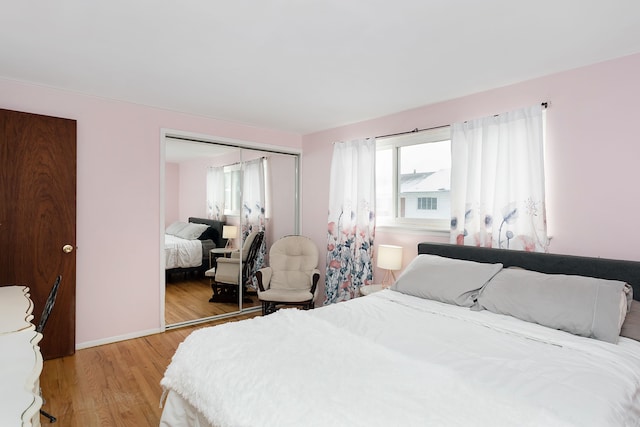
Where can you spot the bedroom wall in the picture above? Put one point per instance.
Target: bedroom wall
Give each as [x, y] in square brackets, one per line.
[592, 179]
[171, 193]
[119, 201]
[592, 157]
[283, 191]
[192, 189]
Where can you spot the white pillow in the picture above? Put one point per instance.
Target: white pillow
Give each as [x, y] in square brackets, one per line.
[449, 280]
[175, 227]
[191, 231]
[581, 305]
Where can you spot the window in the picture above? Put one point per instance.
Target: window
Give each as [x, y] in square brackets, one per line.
[413, 175]
[428, 203]
[232, 193]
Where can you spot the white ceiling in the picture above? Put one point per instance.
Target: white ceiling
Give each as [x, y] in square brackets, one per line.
[304, 65]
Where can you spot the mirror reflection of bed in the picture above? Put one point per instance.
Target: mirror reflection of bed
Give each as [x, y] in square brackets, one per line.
[191, 252]
[189, 294]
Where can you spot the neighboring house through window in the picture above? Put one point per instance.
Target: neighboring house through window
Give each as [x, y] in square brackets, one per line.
[413, 176]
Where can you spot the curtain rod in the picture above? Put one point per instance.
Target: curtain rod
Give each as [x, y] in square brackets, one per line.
[411, 131]
[544, 105]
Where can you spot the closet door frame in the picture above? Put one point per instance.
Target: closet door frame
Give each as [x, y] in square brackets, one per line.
[178, 135]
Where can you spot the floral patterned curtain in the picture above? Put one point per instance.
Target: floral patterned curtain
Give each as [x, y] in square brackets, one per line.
[351, 226]
[215, 193]
[253, 203]
[497, 182]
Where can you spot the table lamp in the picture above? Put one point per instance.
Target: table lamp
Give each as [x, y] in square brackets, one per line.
[229, 232]
[389, 258]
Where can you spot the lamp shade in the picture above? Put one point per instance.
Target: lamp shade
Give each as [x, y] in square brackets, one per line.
[390, 257]
[229, 231]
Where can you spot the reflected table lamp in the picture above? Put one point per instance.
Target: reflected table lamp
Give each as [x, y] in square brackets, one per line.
[390, 259]
[229, 232]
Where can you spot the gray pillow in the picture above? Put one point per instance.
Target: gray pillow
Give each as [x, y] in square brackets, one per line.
[448, 280]
[631, 325]
[581, 305]
[191, 231]
[175, 228]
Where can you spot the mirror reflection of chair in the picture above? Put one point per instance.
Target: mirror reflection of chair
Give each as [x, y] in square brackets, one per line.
[51, 300]
[227, 271]
[292, 275]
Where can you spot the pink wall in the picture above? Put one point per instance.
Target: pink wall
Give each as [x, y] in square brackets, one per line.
[592, 178]
[118, 201]
[282, 219]
[171, 193]
[192, 189]
[592, 157]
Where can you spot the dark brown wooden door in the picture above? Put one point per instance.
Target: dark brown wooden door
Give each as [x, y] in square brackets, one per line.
[38, 217]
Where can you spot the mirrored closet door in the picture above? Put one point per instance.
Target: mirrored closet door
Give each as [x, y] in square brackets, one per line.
[224, 206]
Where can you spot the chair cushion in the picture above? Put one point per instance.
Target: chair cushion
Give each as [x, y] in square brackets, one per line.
[293, 259]
[290, 280]
[210, 272]
[280, 295]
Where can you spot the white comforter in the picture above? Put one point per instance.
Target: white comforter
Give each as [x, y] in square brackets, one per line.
[390, 359]
[181, 252]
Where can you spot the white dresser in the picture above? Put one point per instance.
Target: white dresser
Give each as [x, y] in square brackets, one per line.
[20, 359]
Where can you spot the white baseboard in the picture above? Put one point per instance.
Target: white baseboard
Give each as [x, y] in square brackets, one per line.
[110, 340]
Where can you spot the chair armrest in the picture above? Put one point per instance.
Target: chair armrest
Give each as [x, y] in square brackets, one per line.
[263, 276]
[222, 260]
[227, 271]
[315, 276]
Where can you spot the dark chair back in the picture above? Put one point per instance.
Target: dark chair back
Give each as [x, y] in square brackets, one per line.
[249, 266]
[51, 300]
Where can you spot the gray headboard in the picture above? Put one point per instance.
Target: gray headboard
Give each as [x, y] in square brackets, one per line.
[215, 224]
[603, 268]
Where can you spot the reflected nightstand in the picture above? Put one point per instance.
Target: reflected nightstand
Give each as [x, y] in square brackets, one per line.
[216, 252]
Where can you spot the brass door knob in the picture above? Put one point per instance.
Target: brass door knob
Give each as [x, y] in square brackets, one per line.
[67, 249]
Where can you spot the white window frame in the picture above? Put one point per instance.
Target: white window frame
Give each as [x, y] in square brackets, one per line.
[420, 204]
[395, 142]
[232, 201]
[429, 202]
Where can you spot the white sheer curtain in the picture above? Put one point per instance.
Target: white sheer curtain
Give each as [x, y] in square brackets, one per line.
[253, 197]
[254, 203]
[351, 225]
[215, 193]
[268, 188]
[497, 181]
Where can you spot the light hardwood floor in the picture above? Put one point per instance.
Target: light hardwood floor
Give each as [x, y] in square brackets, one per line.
[188, 299]
[115, 384]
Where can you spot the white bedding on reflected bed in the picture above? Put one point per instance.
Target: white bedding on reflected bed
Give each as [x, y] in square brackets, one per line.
[181, 253]
[393, 359]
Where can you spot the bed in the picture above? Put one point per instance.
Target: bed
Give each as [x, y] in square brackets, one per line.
[446, 345]
[187, 245]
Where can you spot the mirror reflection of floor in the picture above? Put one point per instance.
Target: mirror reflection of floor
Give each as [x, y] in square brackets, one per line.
[189, 300]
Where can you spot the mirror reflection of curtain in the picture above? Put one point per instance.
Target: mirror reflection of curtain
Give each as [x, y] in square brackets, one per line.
[267, 188]
[215, 193]
[254, 206]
